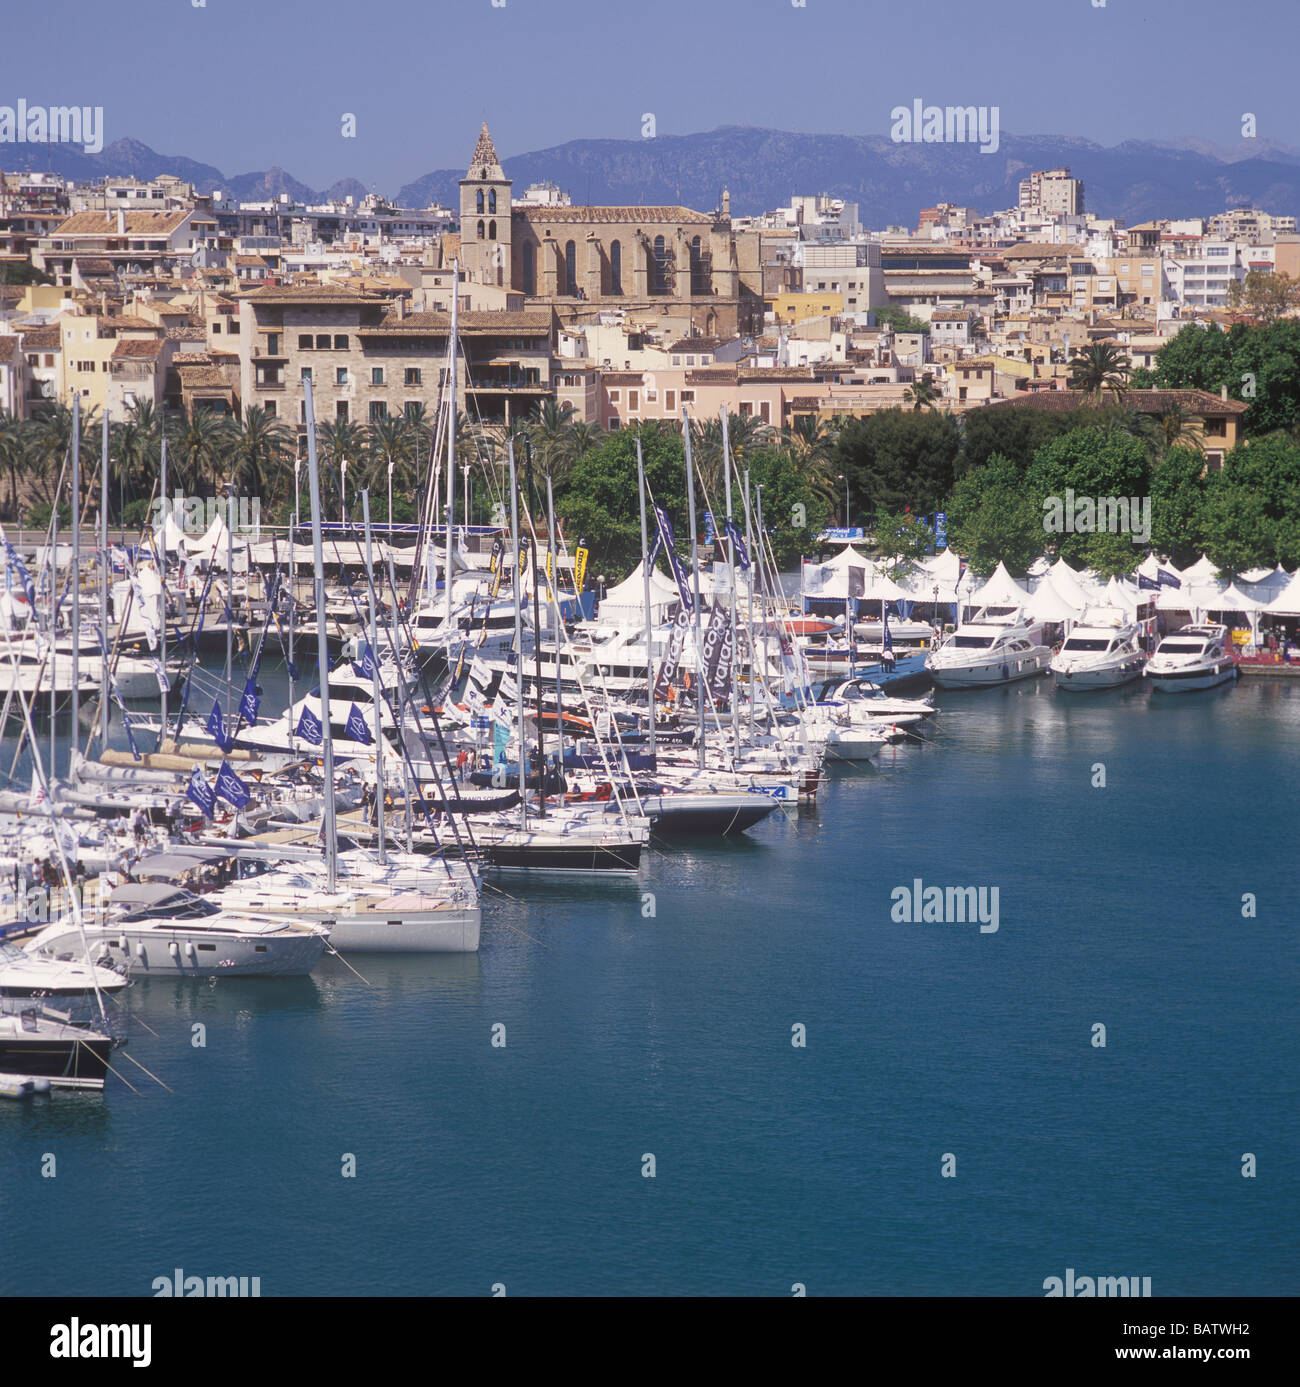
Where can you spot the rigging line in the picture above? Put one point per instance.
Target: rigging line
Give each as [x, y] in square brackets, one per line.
[150, 1072]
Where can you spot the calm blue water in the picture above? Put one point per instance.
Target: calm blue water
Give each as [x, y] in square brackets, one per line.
[671, 1035]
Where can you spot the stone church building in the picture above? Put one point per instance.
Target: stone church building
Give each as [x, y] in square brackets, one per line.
[581, 260]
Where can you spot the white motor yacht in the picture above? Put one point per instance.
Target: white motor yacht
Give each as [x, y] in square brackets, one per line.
[1102, 651]
[1195, 657]
[982, 653]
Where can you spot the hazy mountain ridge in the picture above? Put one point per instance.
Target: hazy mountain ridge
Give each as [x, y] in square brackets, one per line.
[1135, 180]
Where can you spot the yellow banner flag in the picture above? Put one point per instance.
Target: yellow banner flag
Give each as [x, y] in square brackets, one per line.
[579, 568]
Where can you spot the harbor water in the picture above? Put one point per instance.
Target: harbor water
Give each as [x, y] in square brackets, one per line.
[360, 1133]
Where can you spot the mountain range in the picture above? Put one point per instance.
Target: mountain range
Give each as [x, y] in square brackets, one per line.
[1136, 180]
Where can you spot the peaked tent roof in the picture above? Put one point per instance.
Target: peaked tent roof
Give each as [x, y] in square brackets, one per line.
[1202, 571]
[1287, 602]
[1001, 590]
[1047, 604]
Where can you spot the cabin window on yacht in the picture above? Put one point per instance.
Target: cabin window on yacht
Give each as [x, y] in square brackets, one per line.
[1085, 643]
[1181, 648]
[208, 948]
[972, 642]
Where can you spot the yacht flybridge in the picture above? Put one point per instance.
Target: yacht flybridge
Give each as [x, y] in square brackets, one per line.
[1195, 657]
[990, 650]
[1102, 651]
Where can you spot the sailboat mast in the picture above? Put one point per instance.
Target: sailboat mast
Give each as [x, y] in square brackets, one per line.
[645, 587]
[695, 565]
[554, 589]
[161, 548]
[451, 438]
[749, 618]
[374, 680]
[76, 563]
[519, 635]
[322, 640]
[54, 610]
[230, 590]
[731, 570]
[104, 570]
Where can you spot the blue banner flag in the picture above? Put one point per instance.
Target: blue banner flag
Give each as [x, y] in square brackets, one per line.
[1147, 583]
[365, 667]
[201, 792]
[677, 566]
[230, 787]
[1167, 579]
[356, 727]
[217, 727]
[25, 578]
[738, 540]
[309, 727]
[709, 530]
[249, 703]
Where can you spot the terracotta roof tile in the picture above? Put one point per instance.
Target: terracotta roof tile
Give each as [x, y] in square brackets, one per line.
[105, 223]
[600, 215]
[138, 348]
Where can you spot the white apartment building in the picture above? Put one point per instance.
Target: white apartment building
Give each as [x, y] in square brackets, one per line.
[1201, 277]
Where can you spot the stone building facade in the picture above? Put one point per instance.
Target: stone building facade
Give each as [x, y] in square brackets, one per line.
[579, 261]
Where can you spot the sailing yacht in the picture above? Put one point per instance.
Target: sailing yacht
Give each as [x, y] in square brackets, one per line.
[153, 928]
[44, 1044]
[25, 975]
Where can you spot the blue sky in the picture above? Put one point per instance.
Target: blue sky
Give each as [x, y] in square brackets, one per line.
[245, 84]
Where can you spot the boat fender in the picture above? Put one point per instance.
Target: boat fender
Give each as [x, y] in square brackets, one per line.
[189, 950]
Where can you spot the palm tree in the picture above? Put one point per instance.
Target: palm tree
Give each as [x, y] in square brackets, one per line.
[583, 437]
[199, 439]
[810, 443]
[1101, 366]
[259, 441]
[339, 441]
[922, 394]
[392, 440]
[13, 452]
[1175, 428]
[550, 436]
[49, 437]
[136, 446]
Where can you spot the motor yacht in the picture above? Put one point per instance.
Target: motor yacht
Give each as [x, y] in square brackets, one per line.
[1102, 651]
[985, 652]
[1195, 657]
